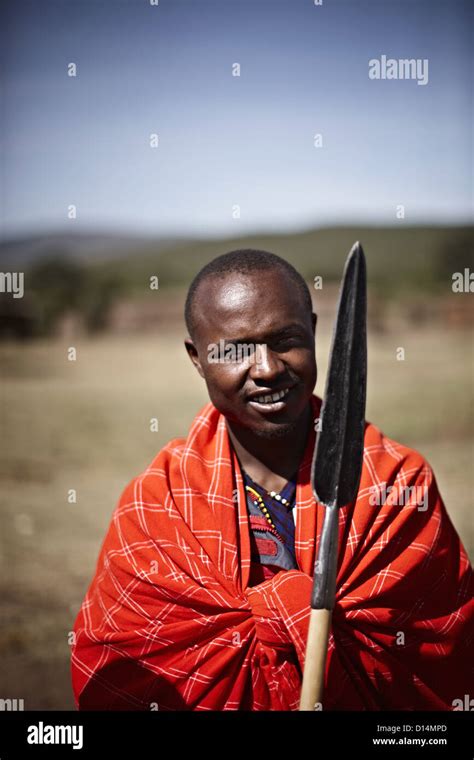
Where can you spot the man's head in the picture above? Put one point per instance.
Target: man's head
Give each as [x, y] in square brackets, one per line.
[251, 326]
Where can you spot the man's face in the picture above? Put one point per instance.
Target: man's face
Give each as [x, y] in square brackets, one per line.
[264, 311]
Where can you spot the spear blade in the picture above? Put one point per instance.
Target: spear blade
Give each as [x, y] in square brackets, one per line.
[338, 455]
[337, 459]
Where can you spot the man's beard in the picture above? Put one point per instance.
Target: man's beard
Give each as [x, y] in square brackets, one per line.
[277, 431]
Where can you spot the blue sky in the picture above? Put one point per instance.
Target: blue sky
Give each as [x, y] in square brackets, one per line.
[228, 140]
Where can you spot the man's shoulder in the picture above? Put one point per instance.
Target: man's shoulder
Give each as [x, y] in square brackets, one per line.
[379, 447]
[382, 451]
[170, 454]
[173, 448]
[167, 464]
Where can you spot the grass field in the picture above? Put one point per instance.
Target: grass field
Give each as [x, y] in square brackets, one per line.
[84, 425]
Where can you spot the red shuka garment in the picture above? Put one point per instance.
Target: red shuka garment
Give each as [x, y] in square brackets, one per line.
[170, 622]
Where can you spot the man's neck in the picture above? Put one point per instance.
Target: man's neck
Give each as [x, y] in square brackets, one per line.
[271, 462]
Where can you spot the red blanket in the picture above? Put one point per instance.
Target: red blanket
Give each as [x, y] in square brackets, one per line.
[170, 622]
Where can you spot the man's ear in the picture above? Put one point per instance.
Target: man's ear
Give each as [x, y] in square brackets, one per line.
[314, 319]
[193, 355]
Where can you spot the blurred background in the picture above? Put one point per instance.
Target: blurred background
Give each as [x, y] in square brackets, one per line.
[130, 150]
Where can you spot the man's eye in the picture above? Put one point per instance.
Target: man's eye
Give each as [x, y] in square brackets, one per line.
[244, 350]
[239, 352]
[285, 344]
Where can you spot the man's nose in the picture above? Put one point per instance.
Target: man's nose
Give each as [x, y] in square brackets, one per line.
[267, 364]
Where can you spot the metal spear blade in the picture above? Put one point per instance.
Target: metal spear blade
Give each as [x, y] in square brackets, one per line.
[337, 460]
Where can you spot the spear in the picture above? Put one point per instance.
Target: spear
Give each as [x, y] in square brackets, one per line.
[337, 460]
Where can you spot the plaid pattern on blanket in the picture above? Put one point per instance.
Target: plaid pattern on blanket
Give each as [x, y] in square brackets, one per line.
[170, 622]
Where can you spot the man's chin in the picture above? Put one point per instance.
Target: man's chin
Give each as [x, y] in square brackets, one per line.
[281, 426]
[271, 432]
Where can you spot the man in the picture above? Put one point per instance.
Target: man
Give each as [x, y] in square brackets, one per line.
[201, 596]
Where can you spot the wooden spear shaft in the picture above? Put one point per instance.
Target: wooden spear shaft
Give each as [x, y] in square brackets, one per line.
[322, 603]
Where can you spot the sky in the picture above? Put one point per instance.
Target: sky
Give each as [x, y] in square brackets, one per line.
[228, 141]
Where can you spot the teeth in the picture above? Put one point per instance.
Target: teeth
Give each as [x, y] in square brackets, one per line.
[274, 397]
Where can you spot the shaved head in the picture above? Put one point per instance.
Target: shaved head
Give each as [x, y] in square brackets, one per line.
[244, 262]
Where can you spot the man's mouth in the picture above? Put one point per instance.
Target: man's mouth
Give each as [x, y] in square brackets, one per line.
[270, 402]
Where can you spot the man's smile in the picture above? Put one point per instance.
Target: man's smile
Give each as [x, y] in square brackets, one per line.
[269, 401]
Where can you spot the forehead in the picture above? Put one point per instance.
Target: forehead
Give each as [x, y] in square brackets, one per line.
[255, 305]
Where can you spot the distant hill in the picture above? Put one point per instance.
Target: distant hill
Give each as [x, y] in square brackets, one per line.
[398, 257]
[85, 246]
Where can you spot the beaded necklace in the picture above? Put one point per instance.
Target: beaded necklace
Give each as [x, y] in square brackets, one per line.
[278, 518]
[258, 501]
[279, 498]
